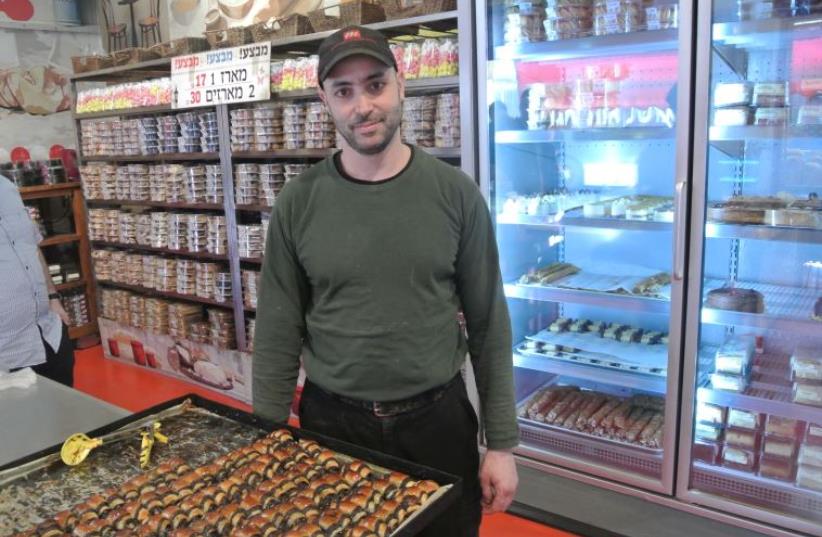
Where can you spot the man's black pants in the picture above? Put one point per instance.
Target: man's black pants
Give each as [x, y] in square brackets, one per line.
[59, 365]
[441, 435]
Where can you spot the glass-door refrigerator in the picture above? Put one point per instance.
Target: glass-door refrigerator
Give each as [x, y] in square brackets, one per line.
[752, 410]
[584, 163]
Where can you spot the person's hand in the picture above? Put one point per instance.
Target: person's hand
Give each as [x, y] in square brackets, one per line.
[498, 478]
[57, 307]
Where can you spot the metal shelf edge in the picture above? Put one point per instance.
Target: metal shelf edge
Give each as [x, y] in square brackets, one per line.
[792, 325]
[541, 136]
[596, 374]
[758, 404]
[593, 298]
[642, 41]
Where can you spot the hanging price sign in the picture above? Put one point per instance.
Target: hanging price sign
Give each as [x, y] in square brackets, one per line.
[225, 76]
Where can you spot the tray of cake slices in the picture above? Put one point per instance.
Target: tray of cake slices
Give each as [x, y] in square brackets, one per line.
[222, 471]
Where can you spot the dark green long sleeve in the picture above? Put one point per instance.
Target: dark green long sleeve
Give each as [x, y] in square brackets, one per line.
[366, 281]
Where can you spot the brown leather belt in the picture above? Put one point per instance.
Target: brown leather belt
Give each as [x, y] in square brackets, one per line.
[385, 409]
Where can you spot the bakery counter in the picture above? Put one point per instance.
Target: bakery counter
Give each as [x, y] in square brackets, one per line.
[788, 309]
[45, 414]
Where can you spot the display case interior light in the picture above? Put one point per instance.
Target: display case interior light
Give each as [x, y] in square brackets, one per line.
[609, 173]
[554, 240]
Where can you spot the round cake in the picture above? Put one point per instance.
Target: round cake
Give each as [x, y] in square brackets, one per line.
[817, 309]
[736, 299]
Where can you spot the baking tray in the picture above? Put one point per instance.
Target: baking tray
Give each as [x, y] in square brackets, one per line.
[39, 485]
[571, 433]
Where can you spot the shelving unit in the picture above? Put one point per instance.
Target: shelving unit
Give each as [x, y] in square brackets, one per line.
[86, 281]
[443, 23]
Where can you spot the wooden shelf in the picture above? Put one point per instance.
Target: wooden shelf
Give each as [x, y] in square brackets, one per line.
[125, 112]
[48, 191]
[76, 332]
[255, 208]
[162, 157]
[70, 285]
[179, 253]
[60, 239]
[256, 260]
[167, 294]
[158, 204]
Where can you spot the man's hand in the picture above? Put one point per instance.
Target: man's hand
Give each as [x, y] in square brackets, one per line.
[498, 477]
[57, 307]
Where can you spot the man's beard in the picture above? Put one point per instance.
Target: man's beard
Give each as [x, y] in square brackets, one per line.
[391, 122]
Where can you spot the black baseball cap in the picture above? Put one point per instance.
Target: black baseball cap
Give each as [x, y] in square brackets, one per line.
[352, 41]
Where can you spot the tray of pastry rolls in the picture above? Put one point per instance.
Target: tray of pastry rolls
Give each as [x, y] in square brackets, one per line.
[222, 472]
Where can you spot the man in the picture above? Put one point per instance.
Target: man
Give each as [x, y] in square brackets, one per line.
[370, 256]
[31, 331]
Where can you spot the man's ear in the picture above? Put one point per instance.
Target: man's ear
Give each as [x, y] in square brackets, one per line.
[322, 95]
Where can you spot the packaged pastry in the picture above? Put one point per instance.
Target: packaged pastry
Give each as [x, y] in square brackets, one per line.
[734, 94]
[707, 432]
[711, 414]
[784, 427]
[745, 419]
[811, 455]
[739, 459]
[806, 364]
[779, 447]
[707, 452]
[777, 468]
[734, 356]
[742, 438]
[771, 117]
[730, 383]
[809, 114]
[813, 435]
[662, 17]
[809, 477]
[807, 393]
[733, 116]
[770, 94]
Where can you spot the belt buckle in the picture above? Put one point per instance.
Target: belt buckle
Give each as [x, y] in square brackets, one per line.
[380, 411]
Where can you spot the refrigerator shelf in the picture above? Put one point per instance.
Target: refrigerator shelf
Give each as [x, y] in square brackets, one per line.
[576, 219]
[788, 309]
[767, 34]
[769, 391]
[582, 446]
[731, 140]
[644, 42]
[755, 489]
[545, 136]
[566, 368]
[606, 353]
[583, 294]
[719, 230]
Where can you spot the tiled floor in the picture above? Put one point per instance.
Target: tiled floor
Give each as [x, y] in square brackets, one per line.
[134, 389]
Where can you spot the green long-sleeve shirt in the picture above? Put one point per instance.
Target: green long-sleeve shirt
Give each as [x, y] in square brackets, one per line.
[366, 281]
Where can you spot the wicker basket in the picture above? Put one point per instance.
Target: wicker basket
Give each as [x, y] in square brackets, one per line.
[394, 9]
[354, 12]
[280, 28]
[84, 64]
[229, 37]
[132, 55]
[178, 47]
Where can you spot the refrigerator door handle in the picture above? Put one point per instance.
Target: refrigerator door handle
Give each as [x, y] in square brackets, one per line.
[681, 207]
